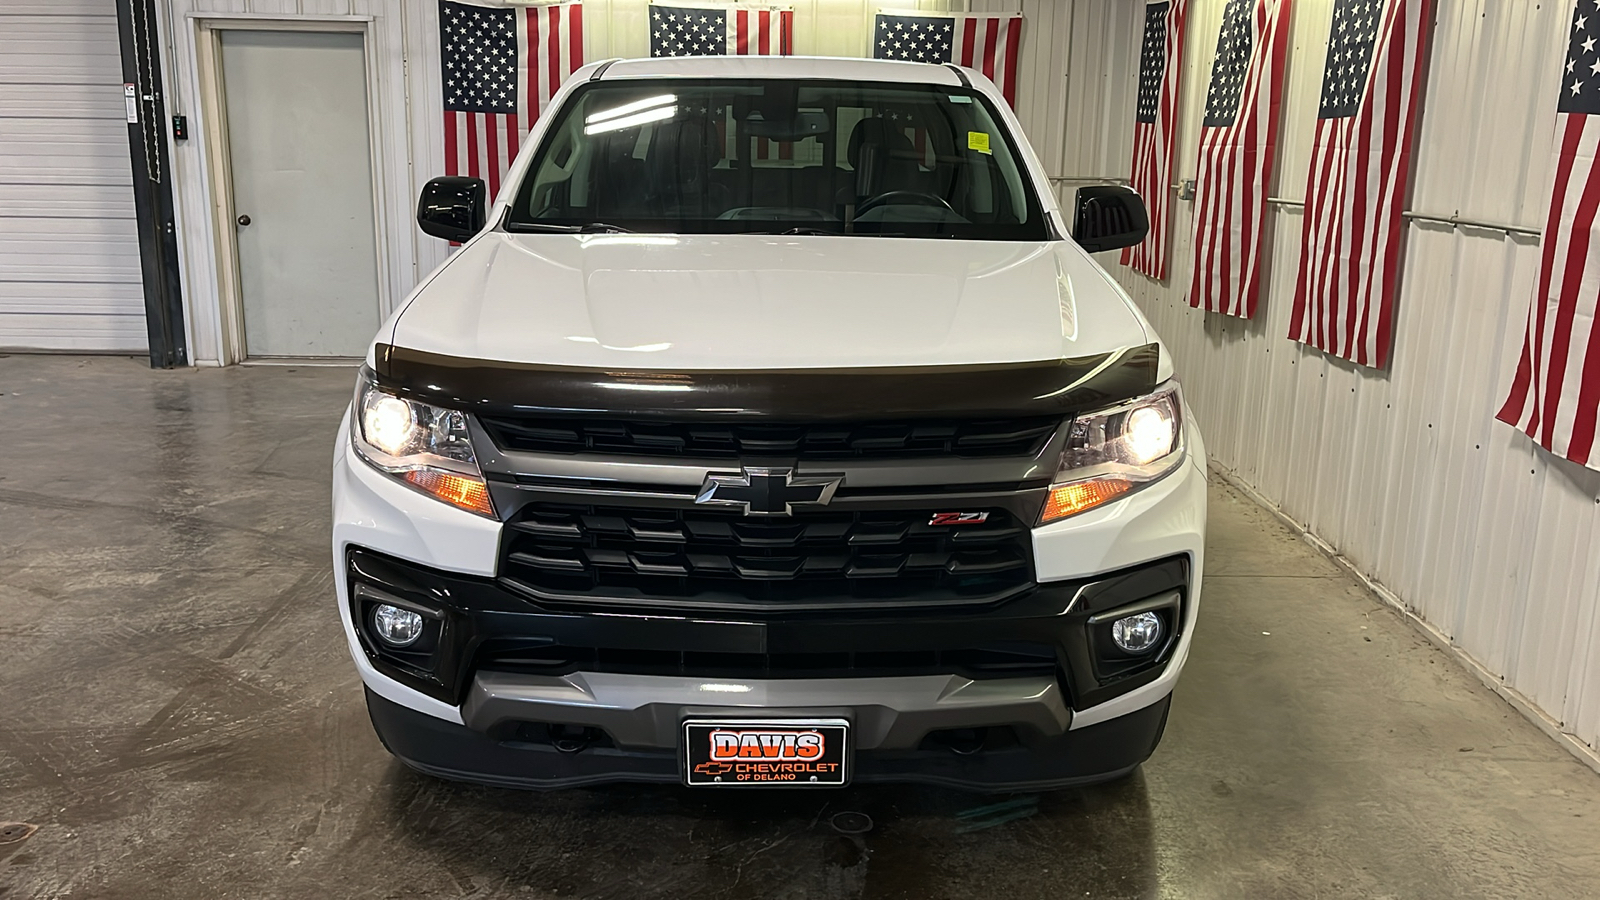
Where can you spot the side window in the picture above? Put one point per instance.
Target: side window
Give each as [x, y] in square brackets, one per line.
[555, 185]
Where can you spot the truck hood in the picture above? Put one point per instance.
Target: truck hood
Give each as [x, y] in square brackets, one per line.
[699, 302]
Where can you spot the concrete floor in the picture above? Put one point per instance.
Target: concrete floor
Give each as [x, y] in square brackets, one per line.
[179, 718]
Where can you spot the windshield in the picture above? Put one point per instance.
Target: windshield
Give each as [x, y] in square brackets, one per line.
[779, 156]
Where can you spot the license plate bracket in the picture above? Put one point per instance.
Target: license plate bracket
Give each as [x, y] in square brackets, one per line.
[766, 752]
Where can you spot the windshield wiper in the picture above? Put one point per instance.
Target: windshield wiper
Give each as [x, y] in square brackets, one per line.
[586, 228]
[804, 229]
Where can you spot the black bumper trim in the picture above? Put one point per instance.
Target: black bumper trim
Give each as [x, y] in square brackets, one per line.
[478, 615]
[1101, 752]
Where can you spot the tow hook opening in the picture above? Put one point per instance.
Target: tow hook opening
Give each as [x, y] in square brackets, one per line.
[562, 738]
[572, 738]
[969, 741]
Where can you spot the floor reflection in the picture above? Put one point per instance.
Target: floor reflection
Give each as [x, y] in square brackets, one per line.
[650, 841]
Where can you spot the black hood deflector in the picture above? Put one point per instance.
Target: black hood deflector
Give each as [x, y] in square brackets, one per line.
[776, 395]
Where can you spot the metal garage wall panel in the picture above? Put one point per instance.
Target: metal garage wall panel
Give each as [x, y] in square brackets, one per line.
[1101, 84]
[1405, 471]
[61, 47]
[69, 252]
[1041, 72]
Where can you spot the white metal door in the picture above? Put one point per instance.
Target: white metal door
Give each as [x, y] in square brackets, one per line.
[301, 163]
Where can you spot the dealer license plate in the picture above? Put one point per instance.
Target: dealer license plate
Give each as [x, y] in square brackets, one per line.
[766, 752]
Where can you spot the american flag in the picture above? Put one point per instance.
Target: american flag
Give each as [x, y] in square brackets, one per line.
[500, 67]
[989, 44]
[1155, 125]
[1237, 142]
[1360, 163]
[719, 31]
[1555, 394]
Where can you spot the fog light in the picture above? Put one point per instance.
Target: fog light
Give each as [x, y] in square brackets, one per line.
[401, 627]
[1136, 634]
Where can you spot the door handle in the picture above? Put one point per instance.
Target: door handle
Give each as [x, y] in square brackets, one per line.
[243, 221]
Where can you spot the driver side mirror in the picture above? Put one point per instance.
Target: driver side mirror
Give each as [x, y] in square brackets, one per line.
[453, 208]
[1109, 217]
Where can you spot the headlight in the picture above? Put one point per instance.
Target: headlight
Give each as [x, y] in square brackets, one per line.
[1114, 451]
[426, 447]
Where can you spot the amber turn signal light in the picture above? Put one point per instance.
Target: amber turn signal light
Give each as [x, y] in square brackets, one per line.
[465, 491]
[1071, 499]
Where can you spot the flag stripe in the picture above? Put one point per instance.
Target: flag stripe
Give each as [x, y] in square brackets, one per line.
[574, 37]
[1391, 228]
[1379, 192]
[552, 55]
[990, 33]
[1352, 316]
[491, 153]
[530, 96]
[1013, 48]
[451, 129]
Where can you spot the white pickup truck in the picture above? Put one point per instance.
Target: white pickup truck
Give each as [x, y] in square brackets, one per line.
[769, 428]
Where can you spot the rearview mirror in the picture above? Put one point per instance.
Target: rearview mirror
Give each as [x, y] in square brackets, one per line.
[1109, 217]
[453, 208]
[804, 124]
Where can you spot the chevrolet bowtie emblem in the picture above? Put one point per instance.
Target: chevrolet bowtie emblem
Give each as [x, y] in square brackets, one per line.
[768, 492]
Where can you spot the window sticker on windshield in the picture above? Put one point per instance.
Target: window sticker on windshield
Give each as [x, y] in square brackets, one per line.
[960, 98]
[979, 141]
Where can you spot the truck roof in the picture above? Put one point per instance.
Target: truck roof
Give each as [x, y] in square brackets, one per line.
[830, 67]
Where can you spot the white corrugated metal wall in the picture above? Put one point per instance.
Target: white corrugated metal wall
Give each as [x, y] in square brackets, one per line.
[1404, 472]
[69, 251]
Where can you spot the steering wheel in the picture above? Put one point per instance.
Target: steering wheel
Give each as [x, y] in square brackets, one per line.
[920, 198]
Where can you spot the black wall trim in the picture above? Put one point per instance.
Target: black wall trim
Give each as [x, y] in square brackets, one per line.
[786, 395]
[152, 184]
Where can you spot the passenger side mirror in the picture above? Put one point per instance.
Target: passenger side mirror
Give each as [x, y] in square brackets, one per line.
[453, 208]
[1109, 217]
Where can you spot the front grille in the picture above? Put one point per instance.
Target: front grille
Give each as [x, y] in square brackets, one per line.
[1013, 659]
[987, 438]
[712, 558]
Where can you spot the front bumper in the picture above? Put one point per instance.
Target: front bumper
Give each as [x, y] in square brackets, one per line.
[457, 752]
[461, 719]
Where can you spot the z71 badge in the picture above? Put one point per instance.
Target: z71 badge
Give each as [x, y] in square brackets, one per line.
[958, 518]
